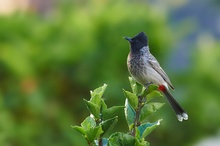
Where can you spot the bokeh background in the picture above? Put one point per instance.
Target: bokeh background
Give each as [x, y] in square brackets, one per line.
[53, 52]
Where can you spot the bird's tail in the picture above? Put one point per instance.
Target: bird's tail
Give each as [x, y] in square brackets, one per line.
[180, 112]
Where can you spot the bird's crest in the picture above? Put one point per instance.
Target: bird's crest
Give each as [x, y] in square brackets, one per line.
[140, 37]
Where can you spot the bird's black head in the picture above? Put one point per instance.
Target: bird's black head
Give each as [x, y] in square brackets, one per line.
[137, 42]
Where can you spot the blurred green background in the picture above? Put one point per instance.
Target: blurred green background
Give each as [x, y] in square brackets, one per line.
[52, 53]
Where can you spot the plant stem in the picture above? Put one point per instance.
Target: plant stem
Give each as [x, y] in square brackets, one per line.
[100, 142]
[137, 122]
[89, 143]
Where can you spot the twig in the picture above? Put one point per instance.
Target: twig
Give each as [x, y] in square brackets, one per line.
[137, 122]
[100, 142]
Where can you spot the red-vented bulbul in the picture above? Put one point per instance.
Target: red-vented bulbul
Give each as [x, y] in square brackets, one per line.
[146, 70]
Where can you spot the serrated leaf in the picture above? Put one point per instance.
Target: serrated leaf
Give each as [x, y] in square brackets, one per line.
[150, 108]
[107, 125]
[121, 139]
[111, 112]
[93, 108]
[147, 128]
[153, 94]
[129, 113]
[132, 99]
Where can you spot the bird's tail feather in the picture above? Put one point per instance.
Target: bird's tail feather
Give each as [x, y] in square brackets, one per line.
[180, 112]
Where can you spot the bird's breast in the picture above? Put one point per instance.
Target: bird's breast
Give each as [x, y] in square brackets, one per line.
[141, 70]
[137, 66]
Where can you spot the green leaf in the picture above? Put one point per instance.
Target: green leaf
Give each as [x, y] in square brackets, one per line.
[107, 125]
[111, 112]
[98, 91]
[137, 88]
[88, 123]
[86, 126]
[96, 95]
[93, 108]
[131, 126]
[147, 128]
[137, 133]
[121, 139]
[132, 99]
[129, 113]
[150, 108]
[141, 142]
[89, 129]
[112, 143]
[96, 99]
[153, 94]
[140, 89]
[79, 129]
[133, 84]
[94, 133]
[151, 88]
[103, 106]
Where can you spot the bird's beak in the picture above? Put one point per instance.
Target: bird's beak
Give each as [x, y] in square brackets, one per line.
[128, 39]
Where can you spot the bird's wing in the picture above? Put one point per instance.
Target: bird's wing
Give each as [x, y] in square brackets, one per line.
[156, 66]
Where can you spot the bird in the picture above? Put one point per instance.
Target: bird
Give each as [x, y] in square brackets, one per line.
[146, 70]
